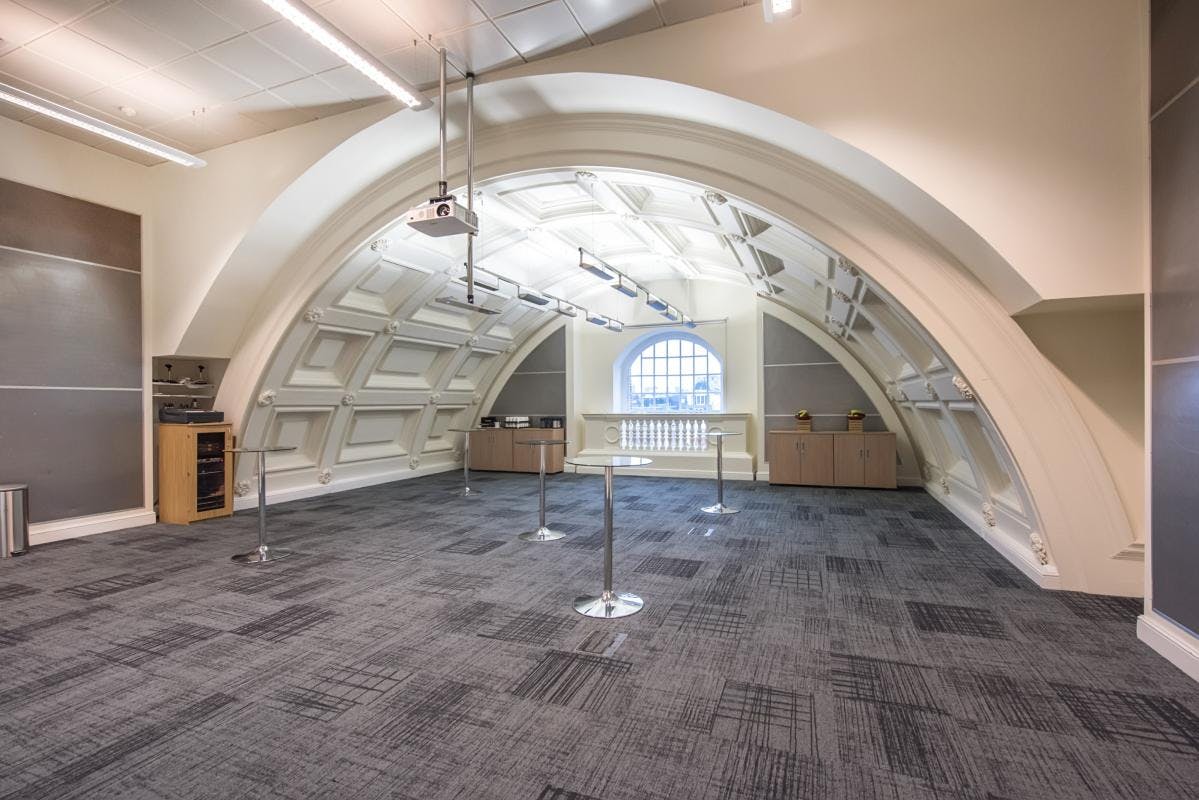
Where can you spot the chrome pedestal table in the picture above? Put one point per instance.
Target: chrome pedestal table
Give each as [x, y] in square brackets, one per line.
[264, 553]
[466, 491]
[609, 604]
[720, 507]
[543, 533]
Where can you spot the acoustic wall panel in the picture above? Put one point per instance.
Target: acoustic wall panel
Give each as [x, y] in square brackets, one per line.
[1175, 311]
[71, 394]
[798, 373]
[44, 222]
[68, 324]
[80, 451]
[538, 386]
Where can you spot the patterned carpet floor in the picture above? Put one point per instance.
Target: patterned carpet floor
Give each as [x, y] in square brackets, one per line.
[821, 644]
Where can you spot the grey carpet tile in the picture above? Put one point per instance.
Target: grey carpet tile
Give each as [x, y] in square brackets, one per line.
[823, 643]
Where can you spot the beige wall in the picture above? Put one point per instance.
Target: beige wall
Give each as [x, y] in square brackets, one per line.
[1025, 118]
[1098, 354]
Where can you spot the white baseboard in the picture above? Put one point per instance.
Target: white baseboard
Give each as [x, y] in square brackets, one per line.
[650, 472]
[1171, 642]
[318, 489]
[59, 529]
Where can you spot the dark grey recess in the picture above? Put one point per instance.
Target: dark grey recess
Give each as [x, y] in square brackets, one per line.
[46, 222]
[80, 451]
[1175, 499]
[797, 374]
[1175, 311]
[538, 386]
[68, 324]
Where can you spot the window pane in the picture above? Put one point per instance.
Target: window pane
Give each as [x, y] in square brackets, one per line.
[660, 349]
[688, 347]
[672, 347]
[674, 374]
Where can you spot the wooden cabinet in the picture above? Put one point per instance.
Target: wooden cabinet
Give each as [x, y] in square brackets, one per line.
[837, 458]
[195, 474]
[497, 450]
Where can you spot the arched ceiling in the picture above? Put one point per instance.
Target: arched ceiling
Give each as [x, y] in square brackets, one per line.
[373, 373]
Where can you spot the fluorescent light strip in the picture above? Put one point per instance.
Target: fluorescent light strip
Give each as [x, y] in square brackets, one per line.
[331, 39]
[99, 127]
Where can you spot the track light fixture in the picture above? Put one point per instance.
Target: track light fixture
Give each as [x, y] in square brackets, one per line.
[598, 319]
[627, 289]
[530, 296]
[596, 266]
[566, 309]
[655, 302]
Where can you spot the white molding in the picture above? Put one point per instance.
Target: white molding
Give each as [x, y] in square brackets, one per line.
[1171, 642]
[317, 489]
[75, 527]
[1045, 576]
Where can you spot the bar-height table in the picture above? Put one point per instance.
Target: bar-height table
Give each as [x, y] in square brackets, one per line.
[720, 507]
[466, 491]
[543, 533]
[608, 604]
[264, 553]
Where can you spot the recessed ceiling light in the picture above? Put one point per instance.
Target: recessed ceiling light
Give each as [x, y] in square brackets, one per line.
[32, 102]
[336, 42]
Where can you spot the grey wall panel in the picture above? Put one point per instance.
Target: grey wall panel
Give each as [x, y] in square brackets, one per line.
[782, 344]
[68, 324]
[1176, 229]
[538, 386]
[549, 356]
[1174, 28]
[79, 451]
[1175, 497]
[537, 394]
[821, 389]
[46, 222]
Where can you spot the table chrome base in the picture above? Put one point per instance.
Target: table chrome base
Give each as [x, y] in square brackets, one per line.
[609, 605]
[261, 555]
[720, 508]
[541, 535]
[467, 492]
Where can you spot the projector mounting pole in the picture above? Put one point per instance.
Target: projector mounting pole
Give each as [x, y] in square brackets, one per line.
[470, 183]
[442, 188]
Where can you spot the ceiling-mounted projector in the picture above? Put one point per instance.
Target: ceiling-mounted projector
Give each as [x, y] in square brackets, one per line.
[443, 216]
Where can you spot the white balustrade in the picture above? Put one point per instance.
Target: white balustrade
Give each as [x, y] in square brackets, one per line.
[678, 443]
[664, 434]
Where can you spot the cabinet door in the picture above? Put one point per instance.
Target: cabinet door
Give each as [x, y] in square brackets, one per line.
[784, 458]
[849, 459]
[480, 450]
[880, 460]
[501, 449]
[526, 457]
[816, 456]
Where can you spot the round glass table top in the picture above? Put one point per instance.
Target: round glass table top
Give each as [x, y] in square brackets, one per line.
[722, 434]
[609, 461]
[544, 441]
[260, 449]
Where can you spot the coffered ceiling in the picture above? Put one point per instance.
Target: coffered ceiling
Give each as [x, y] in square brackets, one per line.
[198, 74]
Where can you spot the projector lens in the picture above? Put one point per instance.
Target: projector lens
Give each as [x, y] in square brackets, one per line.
[443, 210]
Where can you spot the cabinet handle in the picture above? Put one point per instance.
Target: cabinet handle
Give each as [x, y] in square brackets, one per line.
[860, 453]
[867, 453]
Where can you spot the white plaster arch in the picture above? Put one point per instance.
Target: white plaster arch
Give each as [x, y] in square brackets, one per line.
[1081, 518]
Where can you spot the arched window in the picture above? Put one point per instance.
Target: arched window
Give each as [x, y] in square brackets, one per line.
[672, 373]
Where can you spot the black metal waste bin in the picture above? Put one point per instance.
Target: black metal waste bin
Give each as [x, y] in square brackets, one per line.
[14, 519]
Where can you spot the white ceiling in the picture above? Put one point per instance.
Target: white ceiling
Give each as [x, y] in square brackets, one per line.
[205, 73]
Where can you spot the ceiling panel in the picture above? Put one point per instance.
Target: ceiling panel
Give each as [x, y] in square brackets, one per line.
[19, 25]
[254, 61]
[479, 47]
[175, 61]
[605, 21]
[209, 79]
[542, 29]
[185, 20]
[124, 34]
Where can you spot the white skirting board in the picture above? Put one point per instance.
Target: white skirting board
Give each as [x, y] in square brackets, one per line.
[59, 529]
[1173, 643]
[317, 489]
